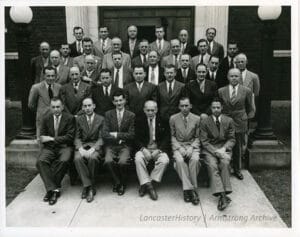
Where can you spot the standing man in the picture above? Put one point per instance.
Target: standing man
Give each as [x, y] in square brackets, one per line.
[185, 74]
[217, 138]
[203, 56]
[131, 45]
[76, 47]
[237, 105]
[155, 74]
[66, 59]
[121, 75]
[214, 48]
[57, 134]
[143, 57]
[41, 94]
[186, 149]
[174, 56]
[118, 134]
[160, 45]
[150, 146]
[61, 70]
[38, 63]
[88, 147]
[90, 75]
[103, 45]
[185, 46]
[213, 72]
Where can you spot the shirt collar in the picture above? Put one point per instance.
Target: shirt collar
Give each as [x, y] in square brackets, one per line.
[215, 118]
[236, 87]
[92, 116]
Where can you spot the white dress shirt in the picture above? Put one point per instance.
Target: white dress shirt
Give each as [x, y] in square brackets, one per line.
[172, 85]
[139, 85]
[231, 89]
[108, 88]
[156, 76]
[121, 81]
[153, 127]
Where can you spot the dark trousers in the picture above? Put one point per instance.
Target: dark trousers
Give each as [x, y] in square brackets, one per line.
[237, 151]
[53, 165]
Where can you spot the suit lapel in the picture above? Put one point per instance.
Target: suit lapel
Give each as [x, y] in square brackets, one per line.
[214, 127]
[247, 79]
[62, 119]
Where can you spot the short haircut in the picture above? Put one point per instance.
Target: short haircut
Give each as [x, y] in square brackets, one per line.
[200, 64]
[88, 97]
[211, 28]
[77, 28]
[87, 39]
[150, 101]
[103, 26]
[119, 92]
[184, 98]
[232, 42]
[170, 66]
[105, 70]
[202, 40]
[213, 56]
[55, 50]
[116, 53]
[131, 25]
[65, 43]
[217, 99]
[144, 40]
[138, 66]
[55, 98]
[157, 27]
[49, 68]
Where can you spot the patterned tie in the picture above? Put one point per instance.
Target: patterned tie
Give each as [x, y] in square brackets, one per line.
[75, 87]
[56, 126]
[231, 63]
[79, 47]
[89, 121]
[218, 123]
[213, 76]
[50, 92]
[233, 95]
[201, 60]
[185, 121]
[151, 132]
[170, 89]
[103, 46]
[117, 78]
[202, 86]
[184, 74]
[119, 117]
[106, 91]
[152, 76]
[159, 45]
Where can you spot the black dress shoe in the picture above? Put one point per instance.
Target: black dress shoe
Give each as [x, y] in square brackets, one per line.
[90, 194]
[238, 174]
[194, 196]
[115, 188]
[150, 189]
[84, 192]
[53, 199]
[223, 203]
[187, 195]
[47, 196]
[121, 189]
[142, 190]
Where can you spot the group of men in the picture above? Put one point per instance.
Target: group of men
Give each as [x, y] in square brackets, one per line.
[142, 102]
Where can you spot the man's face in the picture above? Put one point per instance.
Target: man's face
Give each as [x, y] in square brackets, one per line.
[216, 108]
[153, 58]
[55, 58]
[65, 50]
[185, 61]
[241, 63]
[132, 32]
[139, 74]
[78, 34]
[119, 102]
[103, 33]
[183, 36]
[170, 74]
[144, 47]
[201, 72]
[117, 60]
[45, 50]
[160, 33]
[56, 107]
[232, 50]
[185, 106]
[210, 34]
[214, 64]
[105, 78]
[234, 76]
[90, 64]
[50, 76]
[116, 45]
[175, 47]
[150, 110]
[202, 48]
[75, 74]
[88, 106]
[87, 47]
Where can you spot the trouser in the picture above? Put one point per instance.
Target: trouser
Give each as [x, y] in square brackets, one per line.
[237, 151]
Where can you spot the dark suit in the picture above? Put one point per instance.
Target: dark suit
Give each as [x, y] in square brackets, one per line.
[213, 139]
[217, 50]
[62, 74]
[137, 61]
[67, 62]
[223, 69]
[161, 76]
[191, 76]
[92, 137]
[36, 66]
[108, 61]
[117, 153]
[53, 160]
[164, 51]
[126, 48]
[191, 50]
[79, 61]
[201, 101]
[127, 76]
[73, 50]
[219, 80]
[95, 76]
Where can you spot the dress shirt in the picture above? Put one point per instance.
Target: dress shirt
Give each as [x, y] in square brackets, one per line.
[172, 85]
[215, 118]
[91, 118]
[211, 45]
[56, 123]
[45, 61]
[231, 89]
[76, 86]
[186, 70]
[108, 88]
[202, 83]
[161, 43]
[153, 126]
[89, 73]
[140, 86]
[79, 46]
[182, 47]
[156, 72]
[121, 81]
[142, 58]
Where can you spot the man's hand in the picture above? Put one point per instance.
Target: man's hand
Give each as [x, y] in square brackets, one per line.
[182, 152]
[189, 152]
[90, 151]
[113, 134]
[146, 153]
[85, 78]
[46, 139]
[155, 154]
[82, 152]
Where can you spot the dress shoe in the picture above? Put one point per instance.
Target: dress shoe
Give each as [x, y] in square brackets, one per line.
[115, 188]
[84, 192]
[150, 189]
[194, 197]
[142, 190]
[90, 194]
[187, 195]
[121, 189]
[238, 174]
[53, 199]
[47, 196]
[223, 203]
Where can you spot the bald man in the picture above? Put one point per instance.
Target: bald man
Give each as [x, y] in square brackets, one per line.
[61, 70]
[39, 62]
[185, 46]
[90, 75]
[174, 57]
[131, 45]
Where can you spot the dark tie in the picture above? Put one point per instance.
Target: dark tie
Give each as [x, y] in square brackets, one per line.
[117, 78]
[184, 74]
[56, 126]
[233, 94]
[75, 87]
[89, 122]
[170, 89]
[218, 123]
[201, 61]
[50, 92]
[231, 63]
[151, 132]
[185, 121]
[213, 76]
[106, 91]
[144, 59]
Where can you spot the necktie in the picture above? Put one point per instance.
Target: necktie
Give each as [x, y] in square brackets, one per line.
[184, 74]
[119, 117]
[56, 125]
[185, 121]
[233, 95]
[117, 78]
[103, 46]
[170, 89]
[151, 140]
[144, 59]
[50, 92]
[78, 47]
[213, 76]
[182, 48]
[201, 60]
[89, 121]
[75, 87]
[152, 76]
[106, 91]
[202, 86]
[231, 63]
[211, 47]
[159, 45]
[139, 86]
[131, 48]
[218, 123]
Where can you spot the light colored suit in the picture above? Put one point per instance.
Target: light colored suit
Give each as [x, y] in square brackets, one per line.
[79, 61]
[62, 75]
[184, 137]
[217, 50]
[67, 62]
[165, 49]
[108, 62]
[99, 46]
[196, 60]
[171, 59]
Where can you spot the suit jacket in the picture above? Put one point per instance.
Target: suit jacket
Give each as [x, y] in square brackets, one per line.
[182, 136]
[169, 105]
[126, 48]
[126, 131]
[89, 136]
[219, 80]
[223, 69]
[62, 75]
[103, 103]
[66, 130]
[36, 68]
[127, 76]
[69, 62]
[72, 101]
[79, 62]
[95, 77]
[213, 139]
[142, 136]
[217, 50]
[190, 49]
[136, 99]
[39, 99]
[73, 50]
[164, 51]
[195, 60]
[108, 62]
[137, 61]
[161, 76]
[191, 76]
[99, 47]
[252, 82]
[242, 108]
[170, 59]
[201, 101]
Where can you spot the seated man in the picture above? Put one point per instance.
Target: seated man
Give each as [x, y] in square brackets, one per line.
[88, 144]
[118, 135]
[186, 151]
[57, 134]
[150, 143]
[217, 138]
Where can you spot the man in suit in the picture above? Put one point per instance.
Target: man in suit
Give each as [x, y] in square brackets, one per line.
[66, 59]
[118, 134]
[103, 45]
[74, 92]
[185, 74]
[217, 139]
[61, 70]
[131, 45]
[143, 57]
[150, 146]
[160, 44]
[201, 92]
[76, 47]
[186, 149]
[237, 105]
[139, 91]
[79, 61]
[90, 75]
[174, 56]
[88, 147]
[214, 48]
[102, 93]
[40, 95]
[121, 75]
[154, 73]
[57, 134]
[185, 46]
[38, 63]
[213, 72]
[116, 48]
[203, 56]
